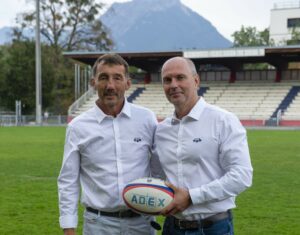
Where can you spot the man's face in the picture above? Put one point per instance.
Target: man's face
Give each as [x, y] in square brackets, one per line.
[111, 84]
[179, 83]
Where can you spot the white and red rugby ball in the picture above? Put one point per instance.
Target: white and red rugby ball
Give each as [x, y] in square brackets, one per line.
[147, 195]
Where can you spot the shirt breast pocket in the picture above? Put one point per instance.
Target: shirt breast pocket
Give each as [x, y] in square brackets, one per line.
[135, 147]
[201, 148]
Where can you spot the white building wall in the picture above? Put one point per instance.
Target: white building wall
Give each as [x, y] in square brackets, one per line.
[279, 30]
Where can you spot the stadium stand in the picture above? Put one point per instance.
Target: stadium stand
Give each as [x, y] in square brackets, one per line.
[202, 91]
[288, 99]
[135, 93]
[153, 98]
[293, 110]
[249, 101]
[259, 96]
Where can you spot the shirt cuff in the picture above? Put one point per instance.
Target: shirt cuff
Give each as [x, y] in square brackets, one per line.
[68, 221]
[196, 196]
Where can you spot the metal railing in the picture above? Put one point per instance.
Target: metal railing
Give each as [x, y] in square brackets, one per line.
[82, 99]
[290, 4]
[30, 120]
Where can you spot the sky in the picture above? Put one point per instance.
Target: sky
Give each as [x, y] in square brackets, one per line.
[226, 15]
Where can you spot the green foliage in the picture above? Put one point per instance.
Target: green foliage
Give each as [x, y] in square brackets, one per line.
[17, 78]
[256, 66]
[249, 36]
[61, 75]
[70, 24]
[62, 90]
[31, 159]
[3, 72]
[295, 39]
[65, 25]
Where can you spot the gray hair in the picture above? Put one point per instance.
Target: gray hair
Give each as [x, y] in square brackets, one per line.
[111, 59]
[191, 65]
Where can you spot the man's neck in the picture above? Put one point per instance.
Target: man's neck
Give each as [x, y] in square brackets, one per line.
[184, 109]
[110, 110]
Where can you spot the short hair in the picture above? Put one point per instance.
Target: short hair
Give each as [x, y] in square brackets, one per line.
[191, 65]
[189, 62]
[111, 59]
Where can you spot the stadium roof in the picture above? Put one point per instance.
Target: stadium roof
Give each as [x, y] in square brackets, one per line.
[233, 58]
[148, 61]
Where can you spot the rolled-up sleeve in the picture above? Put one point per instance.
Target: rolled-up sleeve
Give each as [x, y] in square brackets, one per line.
[68, 182]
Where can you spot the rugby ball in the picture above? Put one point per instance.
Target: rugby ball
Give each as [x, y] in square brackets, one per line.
[147, 195]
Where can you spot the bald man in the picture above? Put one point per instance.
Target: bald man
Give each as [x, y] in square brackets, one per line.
[204, 153]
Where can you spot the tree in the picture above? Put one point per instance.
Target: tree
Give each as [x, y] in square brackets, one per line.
[18, 81]
[264, 38]
[249, 36]
[63, 81]
[70, 24]
[65, 25]
[3, 72]
[295, 38]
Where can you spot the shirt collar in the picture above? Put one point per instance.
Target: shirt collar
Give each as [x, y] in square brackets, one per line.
[195, 112]
[100, 115]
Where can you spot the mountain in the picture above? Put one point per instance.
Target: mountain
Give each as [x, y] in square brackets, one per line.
[155, 25]
[5, 35]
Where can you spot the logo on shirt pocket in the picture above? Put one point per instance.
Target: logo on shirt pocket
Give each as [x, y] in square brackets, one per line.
[137, 139]
[196, 140]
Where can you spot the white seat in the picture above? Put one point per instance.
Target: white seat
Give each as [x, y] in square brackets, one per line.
[248, 100]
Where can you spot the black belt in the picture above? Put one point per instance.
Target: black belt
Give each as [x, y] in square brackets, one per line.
[204, 223]
[118, 214]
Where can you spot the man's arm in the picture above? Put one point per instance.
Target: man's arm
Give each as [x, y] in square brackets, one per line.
[68, 182]
[234, 159]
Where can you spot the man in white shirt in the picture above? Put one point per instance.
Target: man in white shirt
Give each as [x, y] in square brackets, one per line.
[106, 147]
[204, 153]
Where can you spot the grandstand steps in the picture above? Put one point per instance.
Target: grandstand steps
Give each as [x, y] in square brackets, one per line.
[293, 110]
[248, 101]
[293, 92]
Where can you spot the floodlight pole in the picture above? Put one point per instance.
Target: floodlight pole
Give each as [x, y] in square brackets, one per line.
[38, 73]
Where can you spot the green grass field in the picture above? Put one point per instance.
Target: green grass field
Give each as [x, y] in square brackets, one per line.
[30, 160]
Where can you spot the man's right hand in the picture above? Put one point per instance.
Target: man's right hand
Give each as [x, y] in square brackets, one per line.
[181, 201]
[69, 231]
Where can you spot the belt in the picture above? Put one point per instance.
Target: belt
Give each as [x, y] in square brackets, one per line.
[118, 214]
[204, 223]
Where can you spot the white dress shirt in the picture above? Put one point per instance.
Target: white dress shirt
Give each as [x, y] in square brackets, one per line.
[101, 155]
[206, 152]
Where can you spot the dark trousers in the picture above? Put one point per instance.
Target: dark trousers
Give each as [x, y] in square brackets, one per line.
[221, 227]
